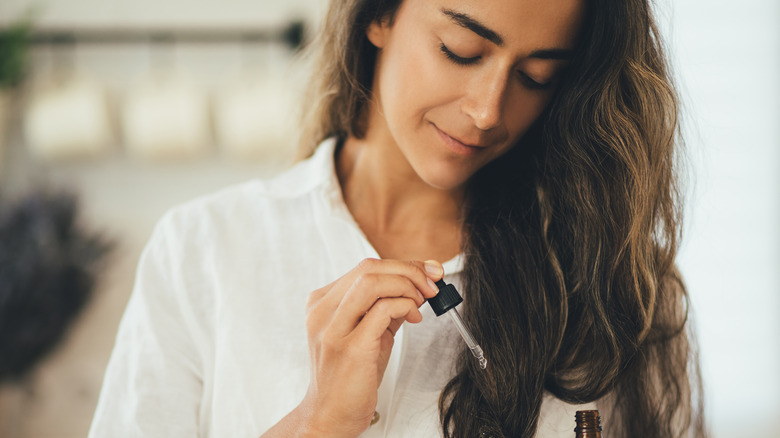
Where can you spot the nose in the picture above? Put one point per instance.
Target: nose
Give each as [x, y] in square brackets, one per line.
[484, 102]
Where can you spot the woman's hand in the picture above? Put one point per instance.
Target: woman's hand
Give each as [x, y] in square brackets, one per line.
[351, 324]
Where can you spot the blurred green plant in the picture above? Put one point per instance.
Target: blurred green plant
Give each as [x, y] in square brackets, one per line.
[14, 41]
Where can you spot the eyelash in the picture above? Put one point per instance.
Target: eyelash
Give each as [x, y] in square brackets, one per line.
[458, 59]
[530, 83]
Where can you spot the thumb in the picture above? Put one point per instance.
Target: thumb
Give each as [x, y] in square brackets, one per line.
[434, 270]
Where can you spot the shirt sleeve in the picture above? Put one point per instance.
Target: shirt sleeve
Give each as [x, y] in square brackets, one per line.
[153, 383]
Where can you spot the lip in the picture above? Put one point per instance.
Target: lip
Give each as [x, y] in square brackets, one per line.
[456, 145]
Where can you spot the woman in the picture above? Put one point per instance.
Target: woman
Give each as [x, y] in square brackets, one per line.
[530, 145]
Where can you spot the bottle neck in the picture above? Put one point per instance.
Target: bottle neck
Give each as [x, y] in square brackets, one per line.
[588, 424]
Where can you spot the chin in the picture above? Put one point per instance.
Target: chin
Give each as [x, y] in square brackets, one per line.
[444, 178]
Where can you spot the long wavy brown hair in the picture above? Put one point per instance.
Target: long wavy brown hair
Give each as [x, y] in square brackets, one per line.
[569, 238]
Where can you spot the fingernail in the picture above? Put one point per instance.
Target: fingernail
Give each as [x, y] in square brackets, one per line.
[433, 268]
[421, 296]
[433, 286]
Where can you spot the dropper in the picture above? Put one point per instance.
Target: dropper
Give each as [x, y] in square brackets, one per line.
[445, 302]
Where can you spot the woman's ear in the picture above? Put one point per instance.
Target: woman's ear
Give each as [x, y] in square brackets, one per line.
[378, 32]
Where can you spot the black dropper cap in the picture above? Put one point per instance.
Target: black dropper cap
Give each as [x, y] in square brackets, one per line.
[447, 298]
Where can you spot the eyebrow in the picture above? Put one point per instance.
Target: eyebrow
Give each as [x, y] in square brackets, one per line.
[473, 25]
[480, 29]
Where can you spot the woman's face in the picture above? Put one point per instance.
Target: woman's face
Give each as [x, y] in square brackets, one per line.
[458, 82]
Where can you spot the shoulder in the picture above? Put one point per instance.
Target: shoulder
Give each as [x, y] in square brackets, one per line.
[229, 241]
[255, 203]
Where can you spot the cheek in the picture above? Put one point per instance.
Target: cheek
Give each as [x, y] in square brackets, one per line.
[413, 81]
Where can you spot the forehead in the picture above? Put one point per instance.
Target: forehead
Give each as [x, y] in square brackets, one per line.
[520, 23]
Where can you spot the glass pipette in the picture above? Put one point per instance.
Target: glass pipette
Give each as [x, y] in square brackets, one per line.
[445, 302]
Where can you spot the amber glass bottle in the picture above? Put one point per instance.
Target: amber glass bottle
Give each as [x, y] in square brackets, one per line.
[588, 424]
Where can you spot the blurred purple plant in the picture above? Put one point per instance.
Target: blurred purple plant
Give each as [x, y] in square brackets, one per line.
[48, 267]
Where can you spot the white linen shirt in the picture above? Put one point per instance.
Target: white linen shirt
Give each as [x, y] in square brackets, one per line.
[213, 341]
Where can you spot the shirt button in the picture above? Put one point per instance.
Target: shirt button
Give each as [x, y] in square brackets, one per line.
[375, 418]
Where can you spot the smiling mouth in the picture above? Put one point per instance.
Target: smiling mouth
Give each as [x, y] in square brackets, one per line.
[458, 145]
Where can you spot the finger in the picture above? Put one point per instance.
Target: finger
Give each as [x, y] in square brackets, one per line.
[396, 324]
[434, 269]
[413, 270]
[382, 315]
[365, 292]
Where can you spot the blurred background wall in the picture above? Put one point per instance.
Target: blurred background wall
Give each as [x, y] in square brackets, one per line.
[727, 60]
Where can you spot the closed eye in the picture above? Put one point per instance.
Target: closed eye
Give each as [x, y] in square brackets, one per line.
[524, 78]
[530, 83]
[458, 59]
